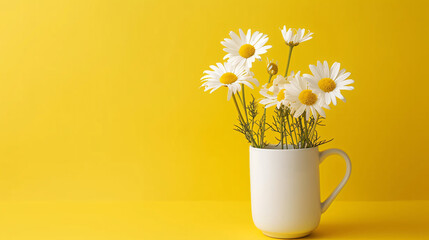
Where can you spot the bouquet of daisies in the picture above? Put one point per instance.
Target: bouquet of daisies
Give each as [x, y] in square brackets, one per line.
[298, 100]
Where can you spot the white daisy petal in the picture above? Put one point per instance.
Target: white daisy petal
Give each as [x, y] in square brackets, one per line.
[328, 83]
[347, 82]
[247, 84]
[242, 35]
[334, 70]
[215, 88]
[294, 37]
[333, 98]
[305, 103]
[299, 111]
[325, 69]
[315, 72]
[244, 49]
[248, 35]
[327, 99]
[256, 37]
[342, 77]
[271, 104]
[348, 88]
[320, 111]
[235, 38]
[228, 74]
[229, 94]
[320, 70]
[339, 95]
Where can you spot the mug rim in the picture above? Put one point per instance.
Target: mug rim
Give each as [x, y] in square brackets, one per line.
[275, 149]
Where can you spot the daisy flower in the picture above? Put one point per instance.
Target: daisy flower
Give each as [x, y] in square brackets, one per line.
[329, 82]
[272, 96]
[302, 99]
[275, 94]
[280, 81]
[244, 49]
[229, 75]
[294, 37]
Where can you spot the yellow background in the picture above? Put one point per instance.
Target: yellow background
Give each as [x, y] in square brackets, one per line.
[100, 100]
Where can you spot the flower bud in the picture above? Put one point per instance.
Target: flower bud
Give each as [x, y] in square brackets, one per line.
[272, 68]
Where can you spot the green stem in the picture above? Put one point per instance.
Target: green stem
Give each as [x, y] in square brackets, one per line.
[287, 69]
[263, 127]
[302, 132]
[285, 132]
[290, 131]
[288, 60]
[242, 119]
[313, 129]
[306, 131]
[239, 98]
[264, 118]
[244, 104]
[281, 134]
[295, 130]
[269, 79]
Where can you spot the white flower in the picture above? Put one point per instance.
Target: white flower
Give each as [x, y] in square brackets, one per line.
[244, 49]
[329, 82]
[271, 98]
[294, 37]
[302, 99]
[281, 81]
[228, 75]
[275, 94]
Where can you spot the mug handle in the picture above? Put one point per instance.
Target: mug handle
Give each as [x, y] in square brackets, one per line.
[324, 154]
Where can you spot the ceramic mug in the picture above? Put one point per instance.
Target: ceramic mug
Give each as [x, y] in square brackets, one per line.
[285, 189]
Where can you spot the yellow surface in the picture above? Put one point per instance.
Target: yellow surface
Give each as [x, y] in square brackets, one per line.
[100, 100]
[200, 220]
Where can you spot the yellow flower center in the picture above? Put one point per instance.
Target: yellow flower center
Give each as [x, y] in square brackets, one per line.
[281, 95]
[327, 84]
[246, 50]
[228, 78]
[307, 97]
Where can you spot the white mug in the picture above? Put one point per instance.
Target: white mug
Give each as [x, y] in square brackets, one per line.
[285, 189]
